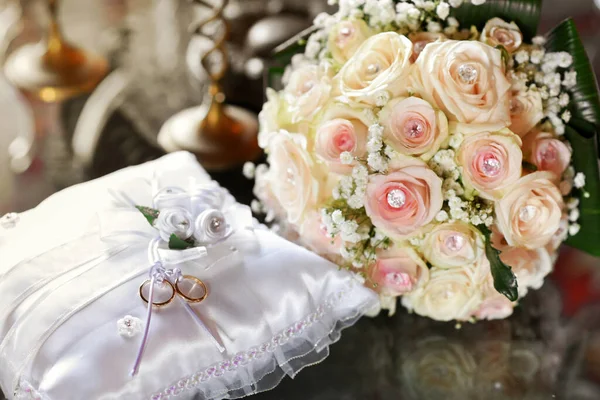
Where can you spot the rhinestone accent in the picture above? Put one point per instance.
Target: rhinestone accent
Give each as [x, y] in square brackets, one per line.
[527, 213]
[396, 198]
[467, 73]
[9, 220]
[454, 242]
[414, 128]
[397, 278]
[373, 69]
[491, 166]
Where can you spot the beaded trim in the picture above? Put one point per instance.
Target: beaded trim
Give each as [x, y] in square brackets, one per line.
[243, 358]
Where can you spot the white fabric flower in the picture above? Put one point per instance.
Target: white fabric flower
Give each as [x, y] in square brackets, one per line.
[174, 221]
[129, 326]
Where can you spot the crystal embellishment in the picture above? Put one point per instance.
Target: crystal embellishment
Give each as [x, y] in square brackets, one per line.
[491, 166]
[414, 128]
[467, 73]
[396, 198]
[527, 213]
[9, 220]
[346, 31]
[454, 242]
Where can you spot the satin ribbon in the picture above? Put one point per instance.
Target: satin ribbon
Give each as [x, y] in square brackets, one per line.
[127, 224]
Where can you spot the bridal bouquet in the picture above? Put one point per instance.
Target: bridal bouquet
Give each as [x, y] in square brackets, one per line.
[439, 149]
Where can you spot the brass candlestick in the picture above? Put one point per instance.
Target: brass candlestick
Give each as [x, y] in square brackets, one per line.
[221, 136]
[54, 70]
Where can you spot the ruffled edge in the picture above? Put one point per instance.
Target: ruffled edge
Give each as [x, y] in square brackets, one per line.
[262, 368]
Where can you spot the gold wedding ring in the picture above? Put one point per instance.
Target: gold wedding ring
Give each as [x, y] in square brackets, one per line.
[164, 303]
[198, 282]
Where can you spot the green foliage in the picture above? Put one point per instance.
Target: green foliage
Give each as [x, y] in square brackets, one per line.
[525, 13]
[505, 281]
[149, 213]
[175, 243]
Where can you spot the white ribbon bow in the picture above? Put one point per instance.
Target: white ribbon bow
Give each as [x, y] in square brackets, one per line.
[206, 214]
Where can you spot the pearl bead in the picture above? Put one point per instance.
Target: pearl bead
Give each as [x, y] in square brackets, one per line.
[467, 73]
[396, 198]
[414, 128]
[454, 242]
[372, 69]
[491, 166]
[289, 175]
[527, 213]
[346, 31]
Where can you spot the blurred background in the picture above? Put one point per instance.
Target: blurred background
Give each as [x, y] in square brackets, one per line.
[118, 79]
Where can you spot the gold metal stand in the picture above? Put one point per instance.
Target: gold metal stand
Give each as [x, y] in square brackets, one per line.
[53, 70]
[221, 136]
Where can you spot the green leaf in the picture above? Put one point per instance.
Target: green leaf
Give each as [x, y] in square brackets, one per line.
[505, 281]
[529, 166]
[585, 103]
[525, 13]
[149, 213]
[585, 159]
[175, 243]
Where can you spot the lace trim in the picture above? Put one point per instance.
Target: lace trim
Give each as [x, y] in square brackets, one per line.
[25, 391]
[243, 358]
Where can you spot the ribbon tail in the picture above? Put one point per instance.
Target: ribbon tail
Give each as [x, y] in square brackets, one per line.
[140, 354]
[199, 322]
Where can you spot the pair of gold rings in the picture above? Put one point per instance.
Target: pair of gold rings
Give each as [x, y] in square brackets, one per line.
[175, 289]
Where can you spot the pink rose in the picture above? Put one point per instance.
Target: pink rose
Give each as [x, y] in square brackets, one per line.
[498, 32]
[414, 127]
[529, 266]
[314, 235]
[465, 79]
[398, 271]
[405, 199]
[490, 162]
[547, 153]
[530, 212]
[422, 39]
[344, 130]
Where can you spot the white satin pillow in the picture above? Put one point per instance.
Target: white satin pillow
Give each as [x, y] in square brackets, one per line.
[275, 306]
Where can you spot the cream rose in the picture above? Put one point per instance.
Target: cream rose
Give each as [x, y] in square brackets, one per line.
[529, 266]
[294, 180]
[174, 221]
[307, 91]
[547, 152]
[405, 199]
[490, 162]
[526, 111]
[380, 64]
[314, 235]
[453, 244]
[344, 129]
[413, 127]
[465, 79]
[398, 271]
[268, 118]
[529, 214]
[498, 32]
[346, 37]
[450, 294]
[422, 39]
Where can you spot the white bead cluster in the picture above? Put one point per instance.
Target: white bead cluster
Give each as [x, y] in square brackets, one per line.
[242, 359]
